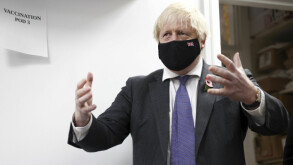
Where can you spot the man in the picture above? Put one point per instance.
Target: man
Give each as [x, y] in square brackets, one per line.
[171, 117]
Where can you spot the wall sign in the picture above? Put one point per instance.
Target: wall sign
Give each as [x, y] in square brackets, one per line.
[23, 26]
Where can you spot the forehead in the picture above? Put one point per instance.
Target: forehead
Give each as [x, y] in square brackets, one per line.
[177, 25]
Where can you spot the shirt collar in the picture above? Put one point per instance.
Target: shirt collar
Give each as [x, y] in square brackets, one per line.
[196, 71]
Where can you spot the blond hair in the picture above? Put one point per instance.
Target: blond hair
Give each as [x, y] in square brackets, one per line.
[182, 13]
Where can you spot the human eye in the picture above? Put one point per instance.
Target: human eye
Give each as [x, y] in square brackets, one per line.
[166, 34]
[181, 33]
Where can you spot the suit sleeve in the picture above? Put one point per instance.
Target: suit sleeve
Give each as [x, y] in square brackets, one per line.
[276, 115]
[288, 150]
[111, 127]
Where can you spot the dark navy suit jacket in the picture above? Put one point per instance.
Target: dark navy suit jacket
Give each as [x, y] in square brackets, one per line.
[142, 110]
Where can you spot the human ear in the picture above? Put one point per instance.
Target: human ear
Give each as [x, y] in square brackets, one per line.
[202, 43]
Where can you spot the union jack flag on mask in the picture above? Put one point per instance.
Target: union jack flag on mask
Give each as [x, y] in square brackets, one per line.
[190, 44]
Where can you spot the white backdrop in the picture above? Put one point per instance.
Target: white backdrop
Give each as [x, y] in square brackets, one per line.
[113, 39]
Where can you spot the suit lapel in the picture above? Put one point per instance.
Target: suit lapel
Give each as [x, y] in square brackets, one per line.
[159, 92]
[204, 108]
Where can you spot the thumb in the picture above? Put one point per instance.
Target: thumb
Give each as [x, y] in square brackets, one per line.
[89, 79]
[237, 60]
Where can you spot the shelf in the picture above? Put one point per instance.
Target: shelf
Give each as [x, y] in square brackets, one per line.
[279, 31]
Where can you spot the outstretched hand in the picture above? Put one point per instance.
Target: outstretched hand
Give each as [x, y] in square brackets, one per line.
[83, 101]
[236, 84]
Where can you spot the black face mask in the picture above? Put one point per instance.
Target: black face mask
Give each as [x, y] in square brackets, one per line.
[177, 55]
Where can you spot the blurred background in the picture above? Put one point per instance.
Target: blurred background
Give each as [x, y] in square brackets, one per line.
[261, 31]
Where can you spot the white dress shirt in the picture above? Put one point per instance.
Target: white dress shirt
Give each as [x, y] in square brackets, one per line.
[192, 88]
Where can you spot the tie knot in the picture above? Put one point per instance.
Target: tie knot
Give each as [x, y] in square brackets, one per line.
[183, 79]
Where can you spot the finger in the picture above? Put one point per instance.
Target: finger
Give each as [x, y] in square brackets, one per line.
[237, 60]
[89, 79]
[82, 100]
[90, 101]
[221, 72]
[227, 62]
[81, 83]
[89, 108]
[220, 92]
[218, 80]
[82, 91]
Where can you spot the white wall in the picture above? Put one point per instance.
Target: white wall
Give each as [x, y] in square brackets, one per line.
[111, 38]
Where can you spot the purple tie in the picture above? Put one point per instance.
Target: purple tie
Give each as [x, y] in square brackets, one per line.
[182, 138]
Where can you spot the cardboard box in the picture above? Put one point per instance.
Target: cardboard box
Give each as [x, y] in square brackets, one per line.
[268, 148]
[272, 84]
[260, 21]
[263, 19]
[270, 60]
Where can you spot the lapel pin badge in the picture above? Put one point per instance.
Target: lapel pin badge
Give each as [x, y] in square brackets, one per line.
[208, 85]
